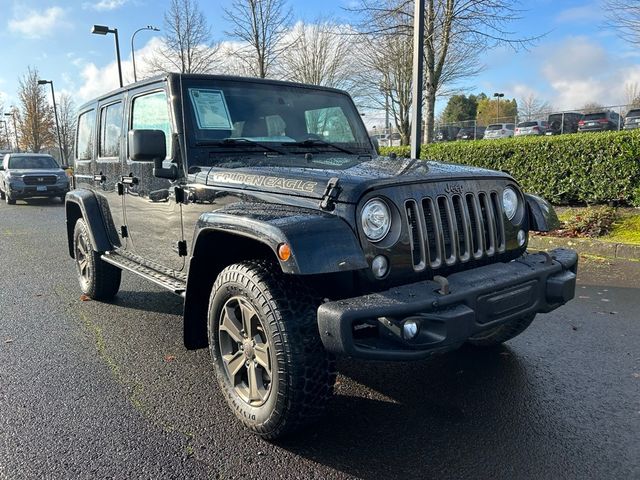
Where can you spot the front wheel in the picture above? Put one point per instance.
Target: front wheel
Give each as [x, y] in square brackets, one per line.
[99, 280]
[9, 199]
[267, 354]
[500, 334]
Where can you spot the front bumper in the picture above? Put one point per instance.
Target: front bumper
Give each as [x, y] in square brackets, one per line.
[370, 327]
[28, 191]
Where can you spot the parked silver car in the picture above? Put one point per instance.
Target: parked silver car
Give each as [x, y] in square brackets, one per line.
[25, 175]
[499, 130]
[533, 127]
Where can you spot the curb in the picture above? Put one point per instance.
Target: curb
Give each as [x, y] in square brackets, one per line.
[587, 246]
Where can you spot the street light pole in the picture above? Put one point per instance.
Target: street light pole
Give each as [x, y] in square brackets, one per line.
[418, 77]
[55, 114]
[133, 52]
[15, 128]
[499, 96]
[103, 30]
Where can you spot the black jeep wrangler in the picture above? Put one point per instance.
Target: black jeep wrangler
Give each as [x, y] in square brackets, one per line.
[266, 207]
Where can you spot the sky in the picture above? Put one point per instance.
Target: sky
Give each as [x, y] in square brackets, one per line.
[574, 61]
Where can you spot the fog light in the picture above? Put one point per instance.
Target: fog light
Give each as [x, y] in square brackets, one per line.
[410, 329]
[522, 238]
[380, 266]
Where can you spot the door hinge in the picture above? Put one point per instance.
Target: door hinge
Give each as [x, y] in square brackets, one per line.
[182, 248]
[330, 195]
[180, 197]
[124, 231]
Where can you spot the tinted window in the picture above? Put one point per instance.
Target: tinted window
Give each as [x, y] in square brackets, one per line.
[110, 130]
[84, 145]
[595, 116]
[510, 126]
[35, 162]
[497, 126]
[151, 112]
[633, 113]
[527, 124]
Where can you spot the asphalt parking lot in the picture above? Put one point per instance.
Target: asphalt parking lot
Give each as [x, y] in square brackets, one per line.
[95, 390]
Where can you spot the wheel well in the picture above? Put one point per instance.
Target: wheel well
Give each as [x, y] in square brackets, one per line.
[213, 251]
[73, 214]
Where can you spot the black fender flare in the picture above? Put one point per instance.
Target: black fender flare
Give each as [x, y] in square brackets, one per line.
[83, 203]
[542, 216]
[319, 243]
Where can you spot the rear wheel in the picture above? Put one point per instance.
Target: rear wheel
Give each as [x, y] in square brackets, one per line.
[502, 333]
[267, 354]
[99, 280]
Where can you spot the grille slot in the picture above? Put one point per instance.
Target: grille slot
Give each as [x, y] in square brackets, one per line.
[39, 179]
[448, 230]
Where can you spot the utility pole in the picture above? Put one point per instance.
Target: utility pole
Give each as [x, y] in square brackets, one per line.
[418, 78]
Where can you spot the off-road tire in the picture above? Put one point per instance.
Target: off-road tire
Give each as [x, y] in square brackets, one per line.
[98, 279]
[2, 195]
[502, 333]
[302, 372]
[9, 200]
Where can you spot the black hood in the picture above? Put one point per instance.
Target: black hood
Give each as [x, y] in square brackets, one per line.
[354, 181]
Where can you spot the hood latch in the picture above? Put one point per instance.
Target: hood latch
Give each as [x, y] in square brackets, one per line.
[330, 195]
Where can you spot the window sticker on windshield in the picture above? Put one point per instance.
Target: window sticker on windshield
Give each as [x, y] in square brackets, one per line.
[211, 109]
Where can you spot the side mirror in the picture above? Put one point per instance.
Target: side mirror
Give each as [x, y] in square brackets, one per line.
[147, 145]
[64, 167]
[150, 146]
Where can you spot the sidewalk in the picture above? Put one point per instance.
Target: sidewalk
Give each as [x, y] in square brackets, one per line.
[586, 246]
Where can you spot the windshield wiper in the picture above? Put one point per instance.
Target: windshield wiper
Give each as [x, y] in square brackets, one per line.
[311, 142]
[238, 141]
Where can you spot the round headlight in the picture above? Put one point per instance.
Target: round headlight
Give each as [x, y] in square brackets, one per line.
[510, 202]
[376, 219]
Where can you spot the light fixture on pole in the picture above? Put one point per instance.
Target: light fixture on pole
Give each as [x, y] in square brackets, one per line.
[133, 52]
[55, 114]
[498, 96]
[15, 128]
[103, 30]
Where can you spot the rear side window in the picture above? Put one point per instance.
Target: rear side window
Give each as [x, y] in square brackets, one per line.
[151, 112]
[84, 139]
[110, 130]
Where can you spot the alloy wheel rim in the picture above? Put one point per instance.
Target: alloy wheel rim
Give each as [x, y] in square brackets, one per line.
[246, 351]
[82, 259]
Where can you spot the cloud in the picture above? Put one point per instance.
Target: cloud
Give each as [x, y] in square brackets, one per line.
[582, 14]
[579, 70]
[37, 24]
[104, 5]
[97, 81]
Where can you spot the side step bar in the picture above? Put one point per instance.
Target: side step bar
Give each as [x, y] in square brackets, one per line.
[176, 282]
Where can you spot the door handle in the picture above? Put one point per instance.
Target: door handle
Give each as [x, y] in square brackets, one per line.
[130, 180]
[99, 178]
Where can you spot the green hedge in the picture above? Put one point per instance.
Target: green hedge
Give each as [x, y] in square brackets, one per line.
[565, 169]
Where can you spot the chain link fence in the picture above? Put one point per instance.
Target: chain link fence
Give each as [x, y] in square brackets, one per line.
[541, 122]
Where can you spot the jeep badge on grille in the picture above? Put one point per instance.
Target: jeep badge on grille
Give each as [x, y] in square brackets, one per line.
[454, 188]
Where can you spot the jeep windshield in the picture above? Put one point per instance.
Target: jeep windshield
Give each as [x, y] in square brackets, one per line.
[243, 123]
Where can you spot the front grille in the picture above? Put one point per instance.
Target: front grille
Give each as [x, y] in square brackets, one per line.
[39, 179]
[447, 230]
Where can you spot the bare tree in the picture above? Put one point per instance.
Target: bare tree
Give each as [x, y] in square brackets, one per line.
[187, 43]
[456, 32]
[591, 107]
[624, 16]
[35, 118]
[321, 54]
[262, 25]
[67, 119]
[531, 107]
[632, 94]
[386, 74]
